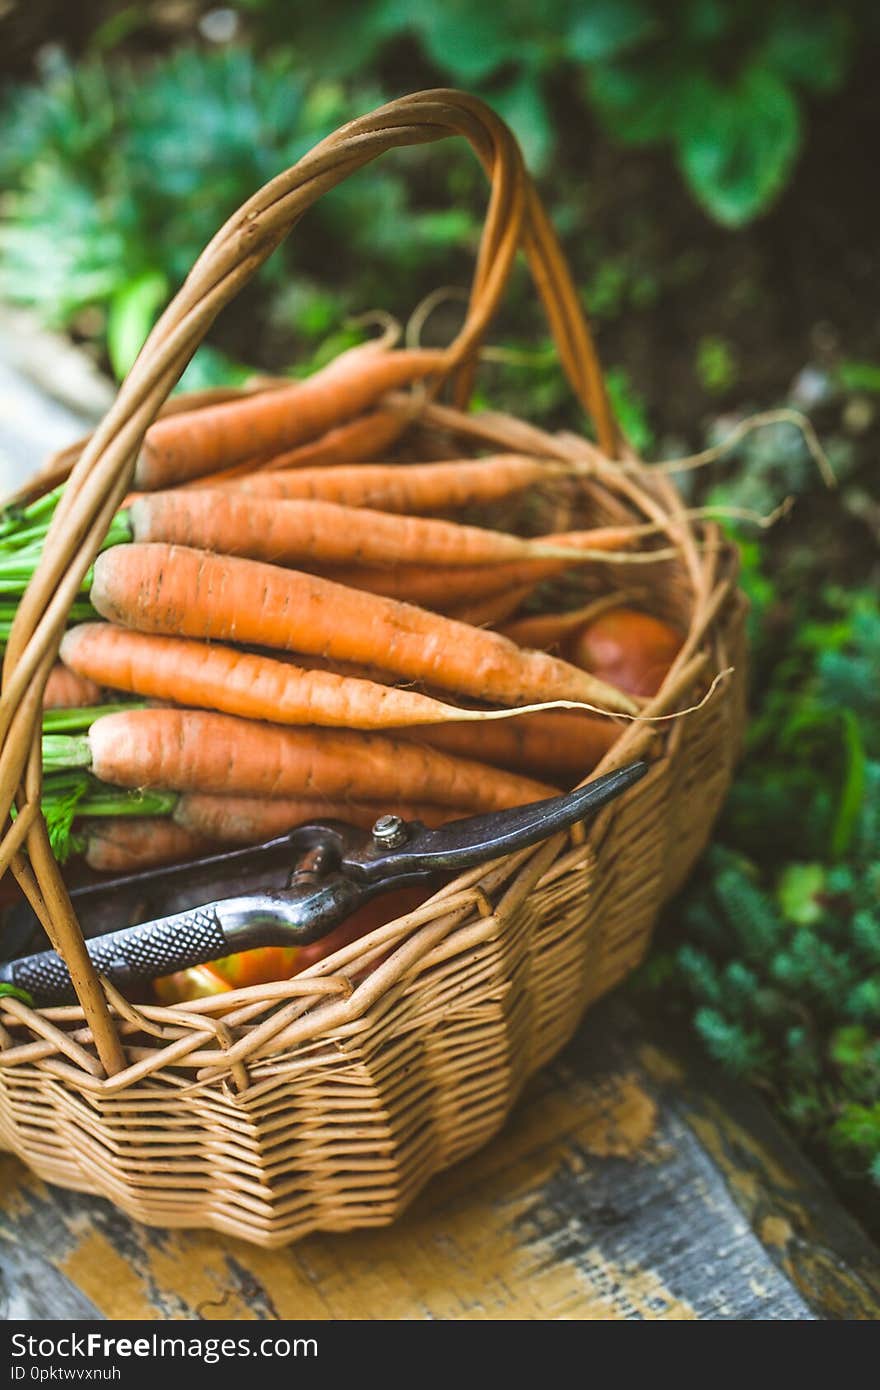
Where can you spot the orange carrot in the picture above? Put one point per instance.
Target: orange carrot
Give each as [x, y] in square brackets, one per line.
[367, 437]
[492, 610]
[322, 533]
[555, 745]
[221, 678]
[127, 843]
[65, 689]
[631, 648]
[440, 586]
[196, 442]
[414, 488]
[247, 820]
[172, 590]
[188, 750]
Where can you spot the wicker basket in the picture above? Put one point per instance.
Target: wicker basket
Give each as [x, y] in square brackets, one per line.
[327, 1101]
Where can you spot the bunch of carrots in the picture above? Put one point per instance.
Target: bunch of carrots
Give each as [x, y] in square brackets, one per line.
[284, 626]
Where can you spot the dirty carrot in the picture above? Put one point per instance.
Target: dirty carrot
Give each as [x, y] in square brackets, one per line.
[556, 746]
[407, 487]
[65, 688]
[440, 586]
[196, 442]
[172, 590]
[211, 676]
[246, 820]
[190, 750]
[289, 532]
[367, 437]
[128, 844]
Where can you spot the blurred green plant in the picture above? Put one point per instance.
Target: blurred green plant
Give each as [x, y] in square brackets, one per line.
[778, 962]
[716, 364]
[119, 175]
[722, 85]
[119, 171]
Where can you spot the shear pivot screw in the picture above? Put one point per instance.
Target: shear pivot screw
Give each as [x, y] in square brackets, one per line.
[389, 832]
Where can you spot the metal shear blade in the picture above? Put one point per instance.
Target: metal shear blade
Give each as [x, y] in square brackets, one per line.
[289, 891]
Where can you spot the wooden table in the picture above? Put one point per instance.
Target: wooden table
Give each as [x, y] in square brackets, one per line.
[628, 1184]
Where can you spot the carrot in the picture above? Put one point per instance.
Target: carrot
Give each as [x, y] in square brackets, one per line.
[353, 669]
[136, 842]
[189, 750]
[367, 437]
[248, 684]
[414, 488]
[439, 586]
[555, 745]
[247, 820]
[285, 532]
[631, 648]
[196, 442]
[172, 590]
[493, 609]
[65, 689]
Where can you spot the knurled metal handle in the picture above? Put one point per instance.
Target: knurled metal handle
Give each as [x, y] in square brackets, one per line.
[130, 957]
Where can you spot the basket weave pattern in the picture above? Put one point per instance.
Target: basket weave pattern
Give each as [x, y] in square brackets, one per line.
[326, 1101]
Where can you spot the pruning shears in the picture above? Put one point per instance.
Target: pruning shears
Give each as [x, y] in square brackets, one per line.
[289, 891]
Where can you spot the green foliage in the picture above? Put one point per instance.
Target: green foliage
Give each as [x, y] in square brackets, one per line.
[629, 409]
[119, 172]
[779, 968]
[722, 85]
[120, 168]
[716, 364]
[13, 992]
[119, 175]
[860, 376]
[133, 310]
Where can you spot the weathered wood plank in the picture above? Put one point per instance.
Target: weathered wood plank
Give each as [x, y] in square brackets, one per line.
[621, 1189]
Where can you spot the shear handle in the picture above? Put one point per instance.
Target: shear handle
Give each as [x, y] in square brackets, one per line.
[462, 844]
[340, 870]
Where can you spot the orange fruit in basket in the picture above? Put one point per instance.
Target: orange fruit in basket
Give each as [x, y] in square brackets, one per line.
[198, 982]
[631, 650]
[268, 963]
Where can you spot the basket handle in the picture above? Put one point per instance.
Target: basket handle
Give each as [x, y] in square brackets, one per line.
[102, 475]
